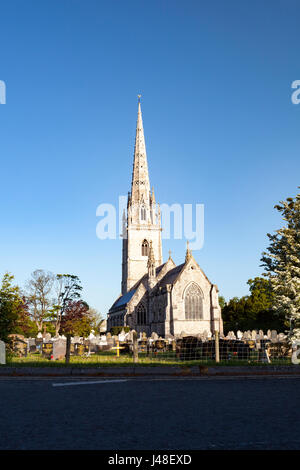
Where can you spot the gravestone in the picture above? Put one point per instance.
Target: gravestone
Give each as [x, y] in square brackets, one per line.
[269, 334]
[253, 335]
[59, 349]
[38, 344]
[204, 335]
[239, 335]
[19, 345]
[47, 337]
[2, 353]
[47, 350]
[121, 336]
[79, 349]
[274, 337]
[261, 334]
[154, 336]
[281, 337]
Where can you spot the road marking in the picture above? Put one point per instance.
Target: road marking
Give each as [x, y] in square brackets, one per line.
[89, 382]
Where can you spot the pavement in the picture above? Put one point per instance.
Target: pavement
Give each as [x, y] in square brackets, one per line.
[154, 413]
[146, 371]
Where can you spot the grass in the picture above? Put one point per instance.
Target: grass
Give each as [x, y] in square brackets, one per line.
[108, 359]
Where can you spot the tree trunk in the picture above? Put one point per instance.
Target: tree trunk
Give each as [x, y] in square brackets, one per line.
[68, 349]
[135, 347]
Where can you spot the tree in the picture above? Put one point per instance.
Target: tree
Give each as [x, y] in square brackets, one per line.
[282, 264]
[222, 301]
[68, 288]
[11, 304]
[38, 294]
[254, 311]
[96, 319]
[75, 321]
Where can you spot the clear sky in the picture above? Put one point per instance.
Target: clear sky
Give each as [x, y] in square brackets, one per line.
[220, 128]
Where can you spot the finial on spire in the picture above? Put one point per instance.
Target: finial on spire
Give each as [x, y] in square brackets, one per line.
[188, 253]
[170, 252]
[139, 98]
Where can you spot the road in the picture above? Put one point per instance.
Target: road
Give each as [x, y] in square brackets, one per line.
[204, 413]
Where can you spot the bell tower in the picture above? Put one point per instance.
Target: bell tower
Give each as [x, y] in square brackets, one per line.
[142, 226]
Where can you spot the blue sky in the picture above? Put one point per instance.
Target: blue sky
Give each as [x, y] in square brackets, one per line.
[219, 123]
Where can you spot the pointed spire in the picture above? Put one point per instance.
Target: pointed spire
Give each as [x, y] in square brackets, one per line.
[151, 259]
[140, 178]
[188, 253]
[153, 196]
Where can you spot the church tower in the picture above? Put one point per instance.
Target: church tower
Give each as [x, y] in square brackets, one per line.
[142, 226]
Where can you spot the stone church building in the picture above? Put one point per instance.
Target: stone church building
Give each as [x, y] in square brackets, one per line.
[156, 296]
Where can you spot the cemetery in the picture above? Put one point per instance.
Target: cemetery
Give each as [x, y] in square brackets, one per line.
[249, 347]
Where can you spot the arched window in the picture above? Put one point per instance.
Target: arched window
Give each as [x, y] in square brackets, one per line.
[141, 317]
[193, 302]
[143, 213]
[145, 248]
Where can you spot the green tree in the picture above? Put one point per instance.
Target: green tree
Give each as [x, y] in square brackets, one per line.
[11, 304]
[282, 264]
[222, 301]
[75, 321]
[38, 296]
[68, 288]
[254, 311]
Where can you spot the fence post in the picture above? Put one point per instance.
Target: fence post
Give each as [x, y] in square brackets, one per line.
[135, 347]
[217, 349]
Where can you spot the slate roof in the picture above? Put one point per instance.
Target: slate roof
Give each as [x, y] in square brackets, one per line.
[123, 300]
[171, 276]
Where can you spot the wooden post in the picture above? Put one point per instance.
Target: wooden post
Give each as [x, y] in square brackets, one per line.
[135, 347]
[217, 349]
[68, 349]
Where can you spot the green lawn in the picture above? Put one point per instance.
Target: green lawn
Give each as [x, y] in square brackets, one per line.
[110, 359]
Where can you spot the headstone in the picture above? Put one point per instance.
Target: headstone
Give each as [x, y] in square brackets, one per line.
[2, 353]
[239, 335]
[261, 334]
[19, 345]
[281, 338]
[269, 334]
[274, 337]
[253, 335]
[39, 335]
[59, 349]
[47, 350]
[76, 339]
[154, 336]
[79, 349]
[122, 336]
[47, 337]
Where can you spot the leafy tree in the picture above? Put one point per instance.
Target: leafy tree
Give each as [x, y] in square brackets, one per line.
[38, 294]
[68, 289]
[11, 304]
[222, 301]
[24, 324]
[282, 264]
[96, 319]
[75, 321]
[253, 311]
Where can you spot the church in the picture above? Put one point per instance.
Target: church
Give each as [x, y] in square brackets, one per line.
[155, 296]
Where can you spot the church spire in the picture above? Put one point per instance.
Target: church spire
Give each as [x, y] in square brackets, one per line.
[188, 253]
[140, 186]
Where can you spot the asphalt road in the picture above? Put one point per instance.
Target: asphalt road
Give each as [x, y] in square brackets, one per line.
[237, 413]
